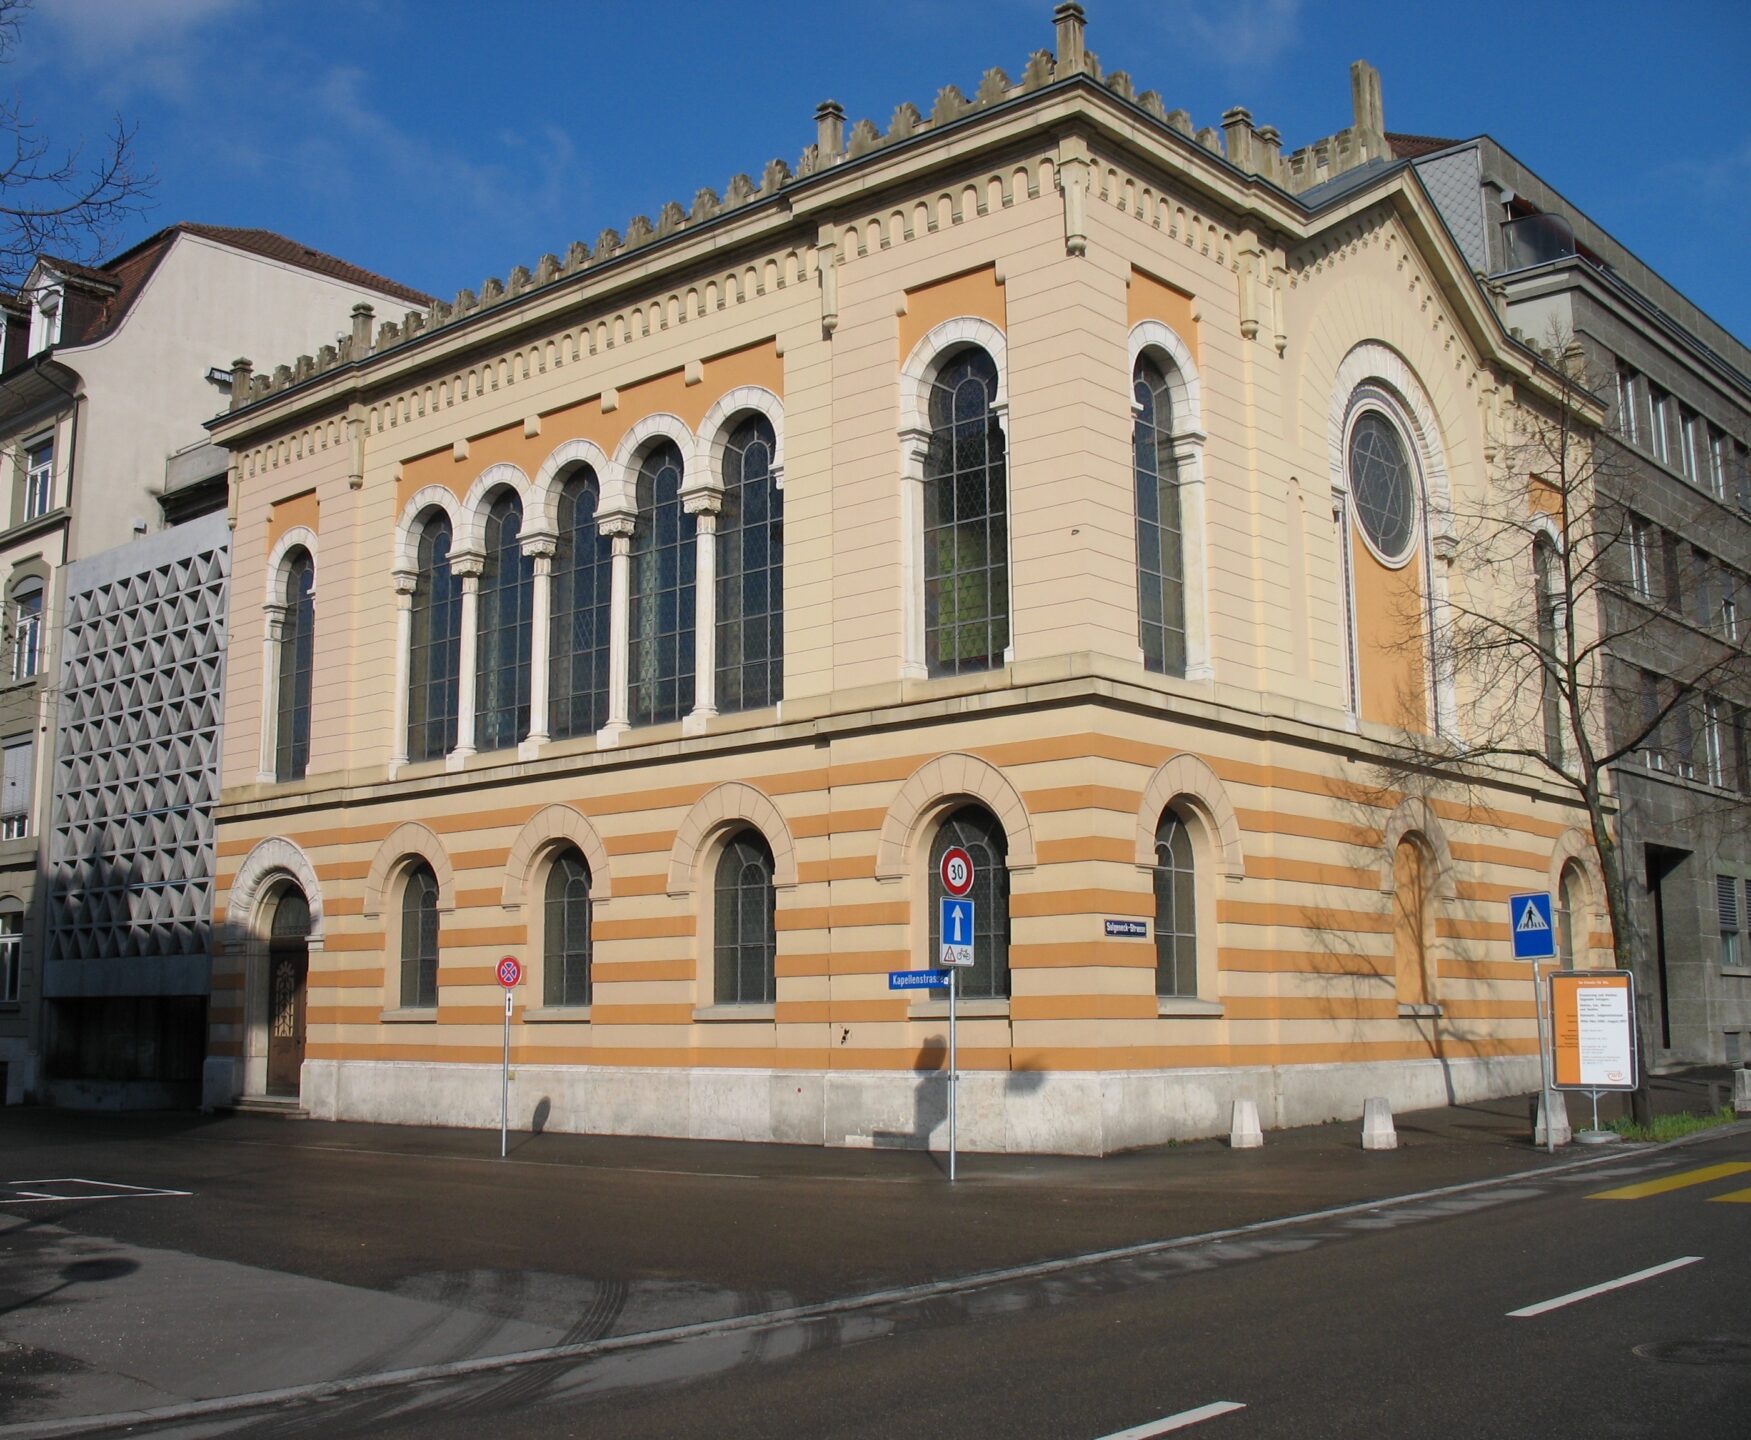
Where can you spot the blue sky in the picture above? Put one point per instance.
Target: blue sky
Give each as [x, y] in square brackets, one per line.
[441, 142]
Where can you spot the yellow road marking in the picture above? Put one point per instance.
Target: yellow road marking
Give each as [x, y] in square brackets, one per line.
[1736, 1197]
[1671, 1182]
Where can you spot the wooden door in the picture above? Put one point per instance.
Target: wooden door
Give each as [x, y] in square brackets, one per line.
[288, 968]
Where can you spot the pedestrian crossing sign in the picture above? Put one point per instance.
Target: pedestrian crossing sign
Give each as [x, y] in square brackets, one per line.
[1529, 919]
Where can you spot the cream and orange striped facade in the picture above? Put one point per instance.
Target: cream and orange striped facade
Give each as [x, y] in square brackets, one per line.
[1063, 230]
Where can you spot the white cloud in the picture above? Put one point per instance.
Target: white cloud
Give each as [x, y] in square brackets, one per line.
[1242, 34]
[126, 45]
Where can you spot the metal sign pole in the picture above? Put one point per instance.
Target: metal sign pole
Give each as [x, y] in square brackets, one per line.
[505, 1082]
[1543, 1063]
[954, 985]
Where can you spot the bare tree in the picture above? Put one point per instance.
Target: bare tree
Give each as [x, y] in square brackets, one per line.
[58, 200]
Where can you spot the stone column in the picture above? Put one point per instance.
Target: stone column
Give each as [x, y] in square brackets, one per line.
[540, 549]
[469, 568]
[1188, 460]
[704, 508]
[914, 449]
[618, 528]
[274, 633]
[406, 582]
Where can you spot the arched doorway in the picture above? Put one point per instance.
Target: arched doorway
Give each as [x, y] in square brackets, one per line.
[288, 977]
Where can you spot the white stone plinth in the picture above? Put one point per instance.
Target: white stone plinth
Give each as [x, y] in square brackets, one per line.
[1377, 1131]
[1560, 1134]
[1243, 1127]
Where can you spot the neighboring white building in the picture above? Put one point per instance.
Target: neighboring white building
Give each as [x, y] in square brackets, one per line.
[109, 372]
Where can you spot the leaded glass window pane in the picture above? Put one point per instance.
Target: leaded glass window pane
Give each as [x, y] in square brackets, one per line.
[745, 945]
[419, 939]
[582, 595]
[976, 830]
[750, 573]
[966, 521]
[566, 931]
[291, 915]
[1383, 484]
[297, 642]
[506, 628]
[435, 652]
[1161, 586]
[1176, 909]
[663, 568]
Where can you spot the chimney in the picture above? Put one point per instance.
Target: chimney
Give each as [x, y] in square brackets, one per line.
[241, 371]
[362, 314]
[829, 131]
[1365, 98]
[1237, 134]
[1072, 49]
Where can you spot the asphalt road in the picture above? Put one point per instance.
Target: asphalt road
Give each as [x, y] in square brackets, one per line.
[824, 1294]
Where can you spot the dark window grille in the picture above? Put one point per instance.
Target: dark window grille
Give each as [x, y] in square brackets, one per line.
[419, 939]
[297, 642]
[1544, 568]
[1176, 908]
[434, 655]
[582, 595]
[566, 931]
[1381, 480]
[1161, 587]
[975, 829]
[746, 939]
[966, 521]
[662, 616]
[506, 629]
[750, 573]
[291, 915]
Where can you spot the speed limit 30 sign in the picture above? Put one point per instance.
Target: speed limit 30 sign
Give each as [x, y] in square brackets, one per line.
[957, 871]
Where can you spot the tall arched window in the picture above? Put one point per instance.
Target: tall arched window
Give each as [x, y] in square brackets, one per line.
[419, 939]
[434, 653]
[507, 609]
[966, 520]
[27, 629]
[745, 938]
[297, 642]
[565, 931]
[582, 591]
[1412, 928]
[975, 829]
[1161, 586]
[1544, 573]
[1176, 908]
[661, 622]
[750, 573]
[1571, 911]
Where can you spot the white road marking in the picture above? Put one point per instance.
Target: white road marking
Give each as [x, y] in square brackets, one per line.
[1576, 1295]
[25, 1193]
[1176, 1422]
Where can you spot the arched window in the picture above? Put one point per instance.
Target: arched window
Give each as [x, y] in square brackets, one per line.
[1544, 571]
[27, 629]
[745, 938]
[419, 939]
[661, 622]
[1176, 908]
[297, 642]
[565, 931]
[1161, 586]
[1412, 923]
[1571, 917]
[434, 653]
[966, 520]
[750, 573]
[507, 608]
[582, 590]
[975, 829]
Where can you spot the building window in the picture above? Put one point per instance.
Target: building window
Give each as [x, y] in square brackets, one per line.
[1176, 908]
[1653, 751]
[27, 629]
[1629, 405]
[39, 479]
[1742, 750]
[419, 939]
[1660, 424]
[1688, 447]
[1727, 904]
[975, 830]
[1682, 722]
[1161, 586]
[1713, 758]
[297, 644]
[1701, 569]
[750, 572]
[1732, 585]
[1383, 484]
[582, 593]
[1570, 911]
[434, 658]
[1671, 556]
[1720, 462]
[15, 788]
[966, 520]
[506, 629]
[11, 956]
[663, 571]
[745, 935]
[566, 932]
[1544, 565]
[1641, 557]
[1412, 927]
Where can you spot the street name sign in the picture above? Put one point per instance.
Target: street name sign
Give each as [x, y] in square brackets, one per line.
[1128, 929]
[1593, 1029]
[1529, 919]
[917, 979]
[957, 933]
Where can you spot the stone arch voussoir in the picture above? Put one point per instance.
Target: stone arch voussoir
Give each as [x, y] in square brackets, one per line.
[272, 860]
[936, 786]
[1415, 816]
[1189, 779]
[546, 830]
[732, 804]
[409, 841]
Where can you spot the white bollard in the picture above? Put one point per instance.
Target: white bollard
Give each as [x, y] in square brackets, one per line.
[1243, 1127]
[1377, 1131]
[1561, 1134]
[1742, 1092]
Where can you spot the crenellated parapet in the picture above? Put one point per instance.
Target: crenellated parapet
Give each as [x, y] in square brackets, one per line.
[1254, 150]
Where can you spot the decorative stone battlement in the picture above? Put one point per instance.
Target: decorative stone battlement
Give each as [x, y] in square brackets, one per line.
[1253, 150]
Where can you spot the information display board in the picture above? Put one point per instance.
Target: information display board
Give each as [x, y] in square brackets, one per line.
[1593, 1029]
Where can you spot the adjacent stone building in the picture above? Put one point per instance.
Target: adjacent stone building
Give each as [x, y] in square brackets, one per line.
[1041, 476]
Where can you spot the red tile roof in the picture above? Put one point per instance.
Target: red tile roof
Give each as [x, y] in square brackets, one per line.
[1409, 147]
